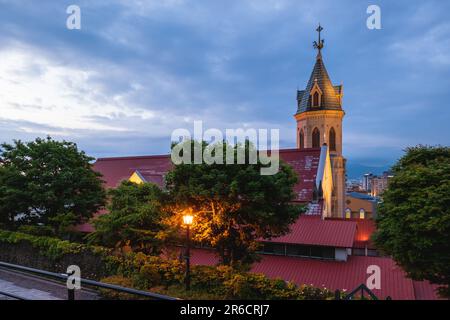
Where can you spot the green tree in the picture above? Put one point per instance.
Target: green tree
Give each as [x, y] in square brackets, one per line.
[414, 219]
[234, 205]
[135, 219]
[47, 182]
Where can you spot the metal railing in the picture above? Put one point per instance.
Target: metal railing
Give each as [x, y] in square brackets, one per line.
[10, 295]
[362, 289]
[71, 292]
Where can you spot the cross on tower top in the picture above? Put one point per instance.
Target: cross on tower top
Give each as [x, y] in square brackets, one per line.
[319, 44]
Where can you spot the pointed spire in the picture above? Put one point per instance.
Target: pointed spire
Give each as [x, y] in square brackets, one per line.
[330, 95]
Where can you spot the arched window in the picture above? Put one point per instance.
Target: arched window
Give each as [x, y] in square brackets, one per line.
[362, 213]
[316, 102]
[302, 140]
[348, 213]
[316, 138]
[315, 95]
[332, 140]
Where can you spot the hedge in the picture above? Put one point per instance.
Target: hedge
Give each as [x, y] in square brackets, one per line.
[147, 272]
[55, 255]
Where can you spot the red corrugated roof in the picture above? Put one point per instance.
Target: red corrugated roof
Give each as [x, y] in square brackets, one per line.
[304, 162]
[424, 290]
[153, 168]
[115, 170]
[312, 230]
[334, 275]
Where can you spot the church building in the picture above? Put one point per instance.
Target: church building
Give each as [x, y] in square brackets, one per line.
[325, 247]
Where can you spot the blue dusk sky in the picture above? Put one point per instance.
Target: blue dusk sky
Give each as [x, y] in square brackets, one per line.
[139, 69]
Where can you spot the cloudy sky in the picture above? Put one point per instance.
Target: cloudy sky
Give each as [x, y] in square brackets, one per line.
[139, 69]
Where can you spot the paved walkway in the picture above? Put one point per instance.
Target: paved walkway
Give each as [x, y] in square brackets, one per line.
[36, 288]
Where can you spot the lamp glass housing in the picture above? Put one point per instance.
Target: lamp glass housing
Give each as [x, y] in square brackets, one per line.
[187, 219]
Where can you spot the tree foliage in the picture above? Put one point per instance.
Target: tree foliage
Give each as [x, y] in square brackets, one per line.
[414, 219]
[207, 282]
[234, 205]
[47, 182]
[134, 220]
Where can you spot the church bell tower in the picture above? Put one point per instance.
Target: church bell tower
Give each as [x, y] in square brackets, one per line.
[319, 121]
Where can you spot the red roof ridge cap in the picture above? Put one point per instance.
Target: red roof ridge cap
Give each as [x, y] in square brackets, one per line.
[299, 150]
[133, 157]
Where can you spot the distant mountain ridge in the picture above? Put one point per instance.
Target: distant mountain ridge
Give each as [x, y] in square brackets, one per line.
[356, 170]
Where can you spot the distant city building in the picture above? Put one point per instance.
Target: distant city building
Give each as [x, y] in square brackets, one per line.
[376, 185]
[379, 184]
[354, 186]
[366, 185]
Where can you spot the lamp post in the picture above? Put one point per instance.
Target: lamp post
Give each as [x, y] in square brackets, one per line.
[187, 220]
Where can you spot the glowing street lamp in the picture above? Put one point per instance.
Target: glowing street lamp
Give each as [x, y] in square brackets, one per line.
[187, 220]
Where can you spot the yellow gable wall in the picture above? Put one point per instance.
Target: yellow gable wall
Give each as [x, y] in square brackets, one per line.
[136, 178]
[355, 204]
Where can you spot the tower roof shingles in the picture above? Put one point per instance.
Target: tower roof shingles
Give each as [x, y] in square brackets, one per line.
[330, 94]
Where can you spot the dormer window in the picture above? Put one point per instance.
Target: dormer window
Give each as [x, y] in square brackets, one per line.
[316, 99]
[316, 95]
